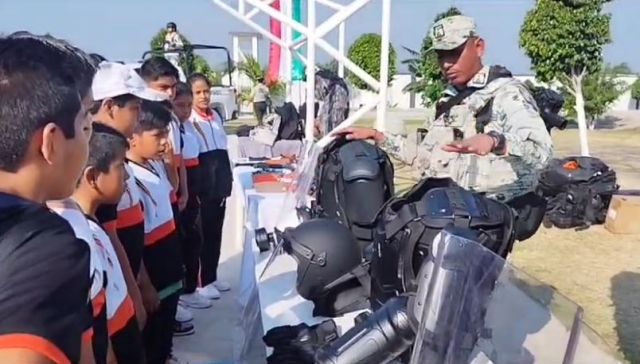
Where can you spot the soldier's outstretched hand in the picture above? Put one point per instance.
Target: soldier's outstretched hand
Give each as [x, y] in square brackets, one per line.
[480, 144]
[358, 133]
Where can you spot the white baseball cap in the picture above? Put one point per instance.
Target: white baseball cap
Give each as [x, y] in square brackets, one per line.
[115, 79]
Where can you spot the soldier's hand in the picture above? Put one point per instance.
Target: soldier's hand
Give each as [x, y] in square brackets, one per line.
[480, 144]
[359, 133]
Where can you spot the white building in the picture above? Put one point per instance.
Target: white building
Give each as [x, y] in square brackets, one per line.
[399, 99]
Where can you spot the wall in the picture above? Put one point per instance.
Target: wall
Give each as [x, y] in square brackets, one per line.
[402, 100]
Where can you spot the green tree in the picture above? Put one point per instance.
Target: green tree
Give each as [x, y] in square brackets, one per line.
[365, 53]
[600, 90]
[332, 66]
[635, 91]
[429, 81]
[189, 62]
[564, 41]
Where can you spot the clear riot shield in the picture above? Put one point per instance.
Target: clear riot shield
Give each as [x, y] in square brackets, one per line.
[475, 308]
[298, 198]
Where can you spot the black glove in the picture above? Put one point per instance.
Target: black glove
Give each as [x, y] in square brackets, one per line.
[291, 355]
[283, 335]
[303, 337]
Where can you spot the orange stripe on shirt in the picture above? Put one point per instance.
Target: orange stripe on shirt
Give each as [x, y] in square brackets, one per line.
[34, 343]
[160, 232]
[110, 225]
[98, 302]
[130, 216]
[87, 335]
[191, 162]
[121, 317]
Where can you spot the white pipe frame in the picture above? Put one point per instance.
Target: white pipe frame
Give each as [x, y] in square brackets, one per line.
[312, 35]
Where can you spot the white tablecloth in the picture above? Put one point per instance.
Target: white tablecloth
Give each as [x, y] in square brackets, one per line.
[271, 300]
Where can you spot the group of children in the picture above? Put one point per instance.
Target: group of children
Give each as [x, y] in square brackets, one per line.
[147, 178]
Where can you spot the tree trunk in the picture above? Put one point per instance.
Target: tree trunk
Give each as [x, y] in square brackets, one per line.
[581, 115]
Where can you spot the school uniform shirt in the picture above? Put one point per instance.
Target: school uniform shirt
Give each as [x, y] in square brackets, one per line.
[190, 153]
[122, 325]
[215, 167]
[45, 279]
[127, 218]
[176, 141]
[161, 243]
[98, 332]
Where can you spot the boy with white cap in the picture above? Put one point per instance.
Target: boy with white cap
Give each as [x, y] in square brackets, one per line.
[119, 91]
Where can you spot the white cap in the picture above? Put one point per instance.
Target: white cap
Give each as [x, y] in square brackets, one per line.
[115, 79]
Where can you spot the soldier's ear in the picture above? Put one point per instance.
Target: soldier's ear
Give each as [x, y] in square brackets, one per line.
[478, 45]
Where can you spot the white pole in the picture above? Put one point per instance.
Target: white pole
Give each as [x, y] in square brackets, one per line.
[311, 66]
[341, 46]
[241, 7]
[320, 42]
[384, 64]
[330, 4]
[254, 47]
[236, 60]
[255, 11]
[285, 65]
[251, 23]
[336, 19]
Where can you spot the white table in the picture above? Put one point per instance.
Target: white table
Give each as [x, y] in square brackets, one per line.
[271, 300]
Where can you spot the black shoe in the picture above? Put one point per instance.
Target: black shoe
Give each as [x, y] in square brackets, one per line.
[183, 329]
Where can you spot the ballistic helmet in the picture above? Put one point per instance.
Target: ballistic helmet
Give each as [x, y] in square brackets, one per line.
[327, 254]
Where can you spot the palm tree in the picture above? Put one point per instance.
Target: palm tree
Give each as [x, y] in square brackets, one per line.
[254, 71]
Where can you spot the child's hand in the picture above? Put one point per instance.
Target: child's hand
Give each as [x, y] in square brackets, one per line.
[150, 298]
[167, 155]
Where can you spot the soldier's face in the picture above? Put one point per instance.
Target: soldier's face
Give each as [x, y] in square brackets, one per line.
[461, 64]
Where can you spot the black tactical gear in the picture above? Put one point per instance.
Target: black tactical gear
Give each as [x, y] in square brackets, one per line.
[408, 225]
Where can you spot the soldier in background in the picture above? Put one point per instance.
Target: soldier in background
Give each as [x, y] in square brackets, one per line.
[172, 42]
[487, 135]
[333, 93]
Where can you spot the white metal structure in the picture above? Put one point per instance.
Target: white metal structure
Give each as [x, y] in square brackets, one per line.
[313, 34]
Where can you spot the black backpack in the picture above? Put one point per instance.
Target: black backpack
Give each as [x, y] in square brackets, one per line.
[291, 128]
[408, 224]
[353, 180]
[578, 191]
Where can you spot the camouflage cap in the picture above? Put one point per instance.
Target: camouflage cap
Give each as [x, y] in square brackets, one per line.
[451, 32]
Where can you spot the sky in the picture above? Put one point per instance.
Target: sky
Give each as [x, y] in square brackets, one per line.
[122, 29]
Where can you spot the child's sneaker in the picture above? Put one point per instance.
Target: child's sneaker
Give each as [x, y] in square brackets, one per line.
[194, 300]
[183, 329]
[183, 315]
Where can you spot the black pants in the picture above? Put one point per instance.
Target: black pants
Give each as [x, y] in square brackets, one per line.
[212, 219]
[260, 109]
[191, 243]
[158, 332]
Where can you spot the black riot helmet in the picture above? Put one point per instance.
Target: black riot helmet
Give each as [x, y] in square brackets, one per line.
[172, 26]
[327, 254]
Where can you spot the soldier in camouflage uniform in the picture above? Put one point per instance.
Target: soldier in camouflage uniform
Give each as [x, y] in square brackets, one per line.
[504, 159]
[333, 92]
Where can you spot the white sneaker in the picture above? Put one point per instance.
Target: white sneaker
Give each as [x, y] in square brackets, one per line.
[183, 315]
[209, 291]
[194, 300]
[221, 286]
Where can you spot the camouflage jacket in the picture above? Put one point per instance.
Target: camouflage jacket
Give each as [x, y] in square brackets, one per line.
[514, 114]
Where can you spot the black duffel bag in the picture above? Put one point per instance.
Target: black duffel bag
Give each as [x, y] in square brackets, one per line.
[578, 191]
[408, 225]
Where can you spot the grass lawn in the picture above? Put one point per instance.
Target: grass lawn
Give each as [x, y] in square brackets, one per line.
[597, 270]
